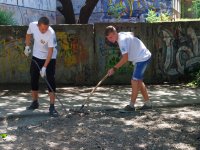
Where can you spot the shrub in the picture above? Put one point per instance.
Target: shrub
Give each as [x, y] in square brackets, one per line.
[116, 10]
[195, 9]
[152, 16]
[6, 18]
[196, 80]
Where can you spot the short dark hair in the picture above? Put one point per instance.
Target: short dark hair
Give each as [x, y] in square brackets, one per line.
[43, 20]
[110, 29]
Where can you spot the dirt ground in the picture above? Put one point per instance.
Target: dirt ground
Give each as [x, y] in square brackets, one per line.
[158, 129]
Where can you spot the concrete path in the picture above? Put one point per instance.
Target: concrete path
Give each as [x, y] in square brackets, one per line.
[15, 99]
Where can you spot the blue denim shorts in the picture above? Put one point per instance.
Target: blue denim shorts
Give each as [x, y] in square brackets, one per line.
[139, 69]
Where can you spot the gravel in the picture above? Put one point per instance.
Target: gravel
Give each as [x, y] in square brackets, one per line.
[158, 129]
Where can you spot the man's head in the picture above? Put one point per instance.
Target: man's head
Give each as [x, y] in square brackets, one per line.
[43, 24]
[111, 34]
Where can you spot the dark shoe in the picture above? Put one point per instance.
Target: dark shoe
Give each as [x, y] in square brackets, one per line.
[128, 109]
[34, 105]
[145, 107]
[53, 112]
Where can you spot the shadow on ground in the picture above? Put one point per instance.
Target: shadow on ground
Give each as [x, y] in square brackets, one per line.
[104, 127]
[172, 128]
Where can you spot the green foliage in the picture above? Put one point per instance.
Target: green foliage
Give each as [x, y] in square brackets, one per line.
[3, 135]
[152, 16]
[196, 81]
[116, 10]
[6, 18]
[164, 17]
[195, 8]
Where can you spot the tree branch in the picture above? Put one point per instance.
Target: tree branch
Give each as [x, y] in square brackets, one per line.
[67, 11]
[86, 11]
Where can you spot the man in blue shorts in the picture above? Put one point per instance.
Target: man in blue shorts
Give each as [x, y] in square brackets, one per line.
[132, 49]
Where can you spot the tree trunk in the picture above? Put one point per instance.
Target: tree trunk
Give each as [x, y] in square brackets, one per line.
[86, 11]
[67, 11]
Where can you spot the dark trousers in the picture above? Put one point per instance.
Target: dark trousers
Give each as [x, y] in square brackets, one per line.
[35, 73]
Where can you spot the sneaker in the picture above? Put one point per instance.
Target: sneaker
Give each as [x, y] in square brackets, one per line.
[128, 109]
[34, 105]
[145, 107]
[53, 112]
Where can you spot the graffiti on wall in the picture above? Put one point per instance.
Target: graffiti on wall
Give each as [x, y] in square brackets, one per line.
[73, 61]
[13, 61]
[134, 10]
[111, 54]
[124, 10]
[129, 10]
[73, 57]
[178, 50]
[71, 50]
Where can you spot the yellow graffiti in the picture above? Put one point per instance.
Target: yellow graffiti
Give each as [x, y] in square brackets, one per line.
[12, 57]
[130, 2]
[140, 3]
[70, 49]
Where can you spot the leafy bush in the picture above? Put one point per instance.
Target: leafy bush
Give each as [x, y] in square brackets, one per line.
[6, 18]
[164, 17]
[152, 16]
[116, 10]
[195, 9]
[196, 80]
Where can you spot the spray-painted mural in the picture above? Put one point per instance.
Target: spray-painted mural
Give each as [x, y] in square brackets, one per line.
[132, 10]
[73, 57]
[109, 54]
[11, 55]
[178, 50]
[174, 46]
[124, 10]
[71, 50]
[75, 63]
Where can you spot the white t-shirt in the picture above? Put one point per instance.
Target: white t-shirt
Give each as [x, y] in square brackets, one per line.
[137, 51]
[42, 41]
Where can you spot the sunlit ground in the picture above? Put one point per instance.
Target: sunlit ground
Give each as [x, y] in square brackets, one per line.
[161, 128]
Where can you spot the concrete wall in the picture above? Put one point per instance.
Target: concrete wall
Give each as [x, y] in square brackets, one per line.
[109, 55]
[75, 63]
[84, 57]
[26, 11]
[175, 49]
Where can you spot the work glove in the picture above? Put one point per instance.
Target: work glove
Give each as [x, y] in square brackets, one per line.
[27, 51]
[43, 72]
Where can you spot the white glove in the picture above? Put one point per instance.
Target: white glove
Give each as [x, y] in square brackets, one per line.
[43, 72]
[27, 51]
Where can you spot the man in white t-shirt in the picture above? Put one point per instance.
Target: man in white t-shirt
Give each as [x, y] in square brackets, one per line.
[43, 57]
[133, 50]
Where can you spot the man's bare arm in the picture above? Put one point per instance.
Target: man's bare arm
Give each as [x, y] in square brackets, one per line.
[28, 39]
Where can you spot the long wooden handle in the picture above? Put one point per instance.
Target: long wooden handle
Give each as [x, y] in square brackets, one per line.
[94, 89]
